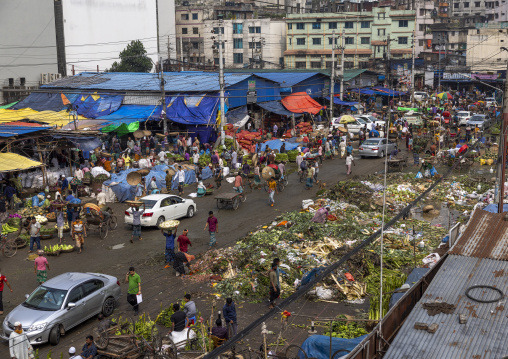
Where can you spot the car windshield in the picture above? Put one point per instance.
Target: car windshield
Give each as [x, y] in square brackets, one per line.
[370, 142]
[462, 113]
[149, 203]
[477, 118]
[44, 298]
[362, 121]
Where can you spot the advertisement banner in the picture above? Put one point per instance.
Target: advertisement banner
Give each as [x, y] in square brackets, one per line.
[485, 77]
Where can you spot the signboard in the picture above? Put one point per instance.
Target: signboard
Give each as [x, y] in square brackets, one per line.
[456, 76]
[485, 77]
[252, 85]
[252, 96]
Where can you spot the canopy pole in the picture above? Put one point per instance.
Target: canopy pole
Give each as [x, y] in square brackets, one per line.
[44, 180]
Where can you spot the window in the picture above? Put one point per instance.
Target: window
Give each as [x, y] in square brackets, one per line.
[237, 28]
[381, 32]
[364, 56]
[381, 15]
[332, 25]
[184, 16]
[365, 24]
[195, 30]
[300, 26]
[422, 12]
[350, 40]
[453, 45]
[402, 40]
[75, 295]
[238, 44]
[420, 42]
[254, 29]
[316, 25]
[290, 27]
[466, 4]
[315, 65]
[403, 23]
[330, 41]
[300, 41]
[476, 4]
[256, 45]
[349, 64]
[289, 41]
[216, 30]
[92, 286]
[195, 45]
[348, 25]
[316, 41]
[194, 16]
[365, 40]
[453, 33]
[184, 31]
[216, 61]
[456, 5]
[238, 58]
[300, 64]
[421, 27]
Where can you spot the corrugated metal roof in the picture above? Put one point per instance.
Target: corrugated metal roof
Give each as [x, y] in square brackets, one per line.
[483, 336]
[10, 131]
[287, 79]
[486, 236]
[135, 81]
[351, 74]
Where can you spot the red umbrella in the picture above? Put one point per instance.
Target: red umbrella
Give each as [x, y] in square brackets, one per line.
[463, 149]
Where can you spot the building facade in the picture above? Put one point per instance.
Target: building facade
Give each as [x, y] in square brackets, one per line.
[484, 45]
[249, 43]
[491, 10]
[309, 38]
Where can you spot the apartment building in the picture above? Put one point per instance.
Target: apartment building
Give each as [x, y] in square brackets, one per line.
[490, 10]
[190, 34]
[424, 20]
[309, 37]
[484, 43]
[249, 43]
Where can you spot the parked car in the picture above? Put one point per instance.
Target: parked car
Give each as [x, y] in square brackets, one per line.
[162, 207]
[482, 121]
[376, 147]
[421, 96]
[369, 119]
[353, 127]
[463, 117]
[490, 101]
[62, 303]
[415, 120]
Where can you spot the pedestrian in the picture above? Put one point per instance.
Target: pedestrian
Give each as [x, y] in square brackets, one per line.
[182, 259]
[181, 180]
[60, 224]
[104, 324]
[349, 160]
[219, 331]
[170, 246]
[190, 309]
[274, 289]
[89, 350]
[183, 241]
[79, 233]
[213, 228]
[217, 174]
[19, 345]
[153, 186]
[310, 177]
[136, 221]
[342, 147]
[349, 148]
[272, 188]
[229, 311]
[321, 215]
[35, 229]
[72, 354]
[3, 280]
[178, 319]
[41, 267]
[316, 171]
[134, 290]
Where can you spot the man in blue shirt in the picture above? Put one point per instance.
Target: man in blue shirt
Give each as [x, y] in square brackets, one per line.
[89, 349]
[229, 311]
[170, 246]
[349, 148]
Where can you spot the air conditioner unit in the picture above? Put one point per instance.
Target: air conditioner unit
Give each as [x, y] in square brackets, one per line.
[58, 76]
[364, 10]
[44, 79]
[52, 77]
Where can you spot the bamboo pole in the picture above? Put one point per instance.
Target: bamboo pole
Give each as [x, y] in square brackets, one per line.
[43, 169]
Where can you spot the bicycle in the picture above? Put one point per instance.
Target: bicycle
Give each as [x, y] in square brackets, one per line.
[242, 195]
[280, 185]
[9, 247]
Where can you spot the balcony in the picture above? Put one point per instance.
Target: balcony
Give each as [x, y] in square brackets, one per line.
[443, 4]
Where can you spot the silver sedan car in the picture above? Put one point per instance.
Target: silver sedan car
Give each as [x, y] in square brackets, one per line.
[376, 147]
[62, 303]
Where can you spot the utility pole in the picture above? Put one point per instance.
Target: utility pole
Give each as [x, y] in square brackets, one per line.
[332, 77]
[501, 160]
[221, 84]
[439, 66]
[163, 101]
[343, 49]
[252, 58]
[181, 53]
[169, 56]
[389, 69]
[413, 73]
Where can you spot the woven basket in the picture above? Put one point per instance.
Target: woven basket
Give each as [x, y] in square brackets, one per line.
[57, 253]
[68, 250]
[147, 133]
[143, 172]
[171, 172]
[134, 178]
[47, 236]
[138, 134]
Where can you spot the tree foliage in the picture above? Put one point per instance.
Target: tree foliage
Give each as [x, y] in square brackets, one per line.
[132, 59]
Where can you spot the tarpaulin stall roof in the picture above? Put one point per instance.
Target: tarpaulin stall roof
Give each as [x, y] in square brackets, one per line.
[387, 92]
[88, 143]
[277, 144]
[9, 131]
[128, 117]
[301, 102]
[10, 162]
[51, 118]
[338, 101]
[42, 101]
[276, 107]
[95, 105]
[200, 109]
[318, 346]
[8, 105]
[362, 91]
[238, 117]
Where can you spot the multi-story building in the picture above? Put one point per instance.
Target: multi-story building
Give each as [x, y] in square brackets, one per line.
[190, 35]
[424, 20]
[484, 45]
[310, 37]
[250, 43]
[490, 10]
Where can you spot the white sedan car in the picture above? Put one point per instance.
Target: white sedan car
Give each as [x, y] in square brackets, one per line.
[162, 207]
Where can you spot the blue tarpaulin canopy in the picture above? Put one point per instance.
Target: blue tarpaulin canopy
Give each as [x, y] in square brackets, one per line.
[11, 131]
[363, 91]
[238, 116]
[277, 144]
[94, 106]
[387, 92]
[39, 101]
[318, 346]
[193, 109]
[83, 143]
[276, 107]
[492, 208]
[133, 113]
[338, 101]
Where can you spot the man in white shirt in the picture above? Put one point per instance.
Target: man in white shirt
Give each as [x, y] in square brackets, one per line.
[72, 354]
[181, 179]
[195, 158]
[101, 198]
[162, 156]
[130, 143]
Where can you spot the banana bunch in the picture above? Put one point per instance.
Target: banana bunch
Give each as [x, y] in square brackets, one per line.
[8, 229]
[65, 226]
[52, 249]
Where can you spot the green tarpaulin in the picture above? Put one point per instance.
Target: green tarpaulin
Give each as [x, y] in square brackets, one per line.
[407, 109]
[8, 105]
[122, 129]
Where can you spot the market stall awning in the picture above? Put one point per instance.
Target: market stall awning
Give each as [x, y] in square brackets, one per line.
[238, 117]
[362, 91]
[338, 101]
[277, 108]
[13, 130]
[51, 118]
[387, 92]
[10, 162]
[301, 102]
[8, 105]
[88, 143]
[196, 109]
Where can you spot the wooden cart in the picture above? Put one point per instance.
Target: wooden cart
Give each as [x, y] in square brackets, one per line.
[397, 164]
[230, 199]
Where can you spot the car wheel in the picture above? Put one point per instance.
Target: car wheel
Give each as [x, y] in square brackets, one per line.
[160, 220]
[382, 154]
[54, 335]
[190, 212]
[108, 307]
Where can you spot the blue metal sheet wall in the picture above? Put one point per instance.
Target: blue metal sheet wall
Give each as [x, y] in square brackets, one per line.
[266, 91]
[313, 85]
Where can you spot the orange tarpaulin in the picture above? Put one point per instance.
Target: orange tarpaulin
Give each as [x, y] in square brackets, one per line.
[301, 102]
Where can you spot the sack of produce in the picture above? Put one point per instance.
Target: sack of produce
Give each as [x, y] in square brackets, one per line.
[169, 225]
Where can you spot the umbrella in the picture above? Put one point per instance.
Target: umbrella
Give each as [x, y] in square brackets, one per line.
[347, 119]
[445, 95]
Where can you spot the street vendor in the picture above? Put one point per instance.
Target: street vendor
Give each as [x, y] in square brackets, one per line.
[170, 245]
[79, 233]
[181, 260]
[321, 215]
[136, 221]
[201, 189]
